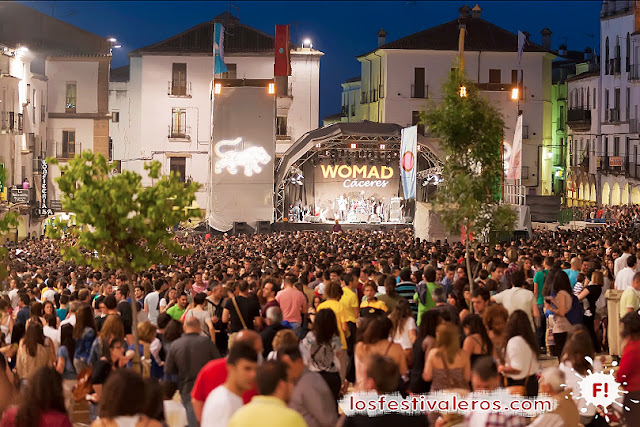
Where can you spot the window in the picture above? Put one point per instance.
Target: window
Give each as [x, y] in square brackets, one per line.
[28, 93]
[42, 113]
[628, 104]
[418, 83]
[616, 146]
[415, 120]
[616, 98]
[31, 142]
[231, 72]
[179, 79]
[68, 144]
[594, 98]
[514, 77]
[178, 123]
[70, 97]
[588, 99]
[606, 57]
[115, 116]
[178, 166]
[628, 56]
[494, 76]
[281, 126]
[561, 118]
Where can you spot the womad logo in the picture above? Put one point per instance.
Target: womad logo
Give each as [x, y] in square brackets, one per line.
[354, 172]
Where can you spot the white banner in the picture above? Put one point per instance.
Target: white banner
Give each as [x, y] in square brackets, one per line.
[515, 164]
[409, 160]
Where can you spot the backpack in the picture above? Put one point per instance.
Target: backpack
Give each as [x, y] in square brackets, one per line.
[575, 314]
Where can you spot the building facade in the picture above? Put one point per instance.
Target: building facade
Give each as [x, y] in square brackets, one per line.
[54, 85]
[161, 101]
[400, 78]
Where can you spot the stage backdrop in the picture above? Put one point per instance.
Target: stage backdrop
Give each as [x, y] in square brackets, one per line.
[329, 182]
[242, 157]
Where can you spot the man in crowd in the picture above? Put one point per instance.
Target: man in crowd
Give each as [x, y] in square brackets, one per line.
[187, 356]
[273, 325]
[518, 298]
[269, 409]
[424, 291]
[177, 310]
[566, 413]
[629, 301]
[293, 304]
[538, 283]
[621, 261]
[446, 311]
[371, 306]
[480, 300]
[152, 302]
[625, 276]
[226, 399]
[124, 308]
[407, 289]
[214, 373]
[215, 306]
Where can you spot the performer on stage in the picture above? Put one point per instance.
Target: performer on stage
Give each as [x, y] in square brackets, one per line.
[342, 207]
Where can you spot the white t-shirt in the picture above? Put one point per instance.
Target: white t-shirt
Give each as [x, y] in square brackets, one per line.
[49, 295]
[54, 335]
[620, 264]
[151, 301]
[402, 336]
[624, 278]
[174, 414]
[520, 356]
[517, 299]
[219, 407]
[13, 296]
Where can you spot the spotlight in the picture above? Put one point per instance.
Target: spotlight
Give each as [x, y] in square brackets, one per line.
[354, 145]
[383, 146]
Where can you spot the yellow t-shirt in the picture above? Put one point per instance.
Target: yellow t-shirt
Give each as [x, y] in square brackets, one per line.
[629, 298]
[350, 301]
[341, 317]
[374, 304]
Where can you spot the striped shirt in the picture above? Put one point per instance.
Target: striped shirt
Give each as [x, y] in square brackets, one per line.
[407, 290]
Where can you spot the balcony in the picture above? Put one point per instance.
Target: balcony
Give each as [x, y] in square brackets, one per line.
[612, 115]
[613, 67]
[634, 72]
[66, 150]
[182, 133]
[420, 92]
[344, 111]
[579, 119]
[179, 91]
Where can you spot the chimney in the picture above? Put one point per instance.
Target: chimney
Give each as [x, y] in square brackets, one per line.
[562, 50]
[546, 38]
[465, 11]
[382, 37]
[476, 11]
[588, 54]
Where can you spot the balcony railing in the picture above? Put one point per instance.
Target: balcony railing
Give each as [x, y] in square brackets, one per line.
[612, 115]
[67, 150]
[177, 90]
[420, 91]
[183, 132]
[579, 118]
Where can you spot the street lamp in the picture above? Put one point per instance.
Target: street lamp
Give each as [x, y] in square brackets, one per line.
[463, 92]
[307, 43]
[515, 92]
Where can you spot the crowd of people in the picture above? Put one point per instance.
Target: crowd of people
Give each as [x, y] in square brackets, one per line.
[271, 330]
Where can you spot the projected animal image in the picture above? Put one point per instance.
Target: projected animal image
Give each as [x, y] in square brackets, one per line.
[252, 159]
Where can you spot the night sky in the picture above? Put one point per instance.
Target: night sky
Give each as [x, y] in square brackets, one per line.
[340, 29]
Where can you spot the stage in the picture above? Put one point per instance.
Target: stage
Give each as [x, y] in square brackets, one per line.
[308, 226]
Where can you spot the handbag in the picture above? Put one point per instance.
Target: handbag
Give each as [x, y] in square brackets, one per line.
[235, 304]
[83, 385]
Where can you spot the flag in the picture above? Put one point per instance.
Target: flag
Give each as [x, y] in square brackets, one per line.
[408, 161]
[218, 49]
[521, 42]
[282, 66]
[515, 163]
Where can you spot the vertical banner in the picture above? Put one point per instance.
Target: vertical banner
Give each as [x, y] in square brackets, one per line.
[282, 65]
[409, 160]
[218, 49]
[515, 163]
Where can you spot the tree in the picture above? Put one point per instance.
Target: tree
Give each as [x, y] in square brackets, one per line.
[470, 132]
[121, 223]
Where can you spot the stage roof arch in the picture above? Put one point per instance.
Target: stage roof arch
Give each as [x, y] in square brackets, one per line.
[364, 132]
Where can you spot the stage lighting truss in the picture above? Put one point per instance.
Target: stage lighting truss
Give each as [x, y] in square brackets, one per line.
[431, 176]
[297, 176]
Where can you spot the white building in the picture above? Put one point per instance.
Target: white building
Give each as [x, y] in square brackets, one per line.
[619, 95]
[54, 88]
[161, 105]
[399, 78]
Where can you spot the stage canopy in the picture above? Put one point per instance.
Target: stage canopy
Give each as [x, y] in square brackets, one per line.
[374, 141]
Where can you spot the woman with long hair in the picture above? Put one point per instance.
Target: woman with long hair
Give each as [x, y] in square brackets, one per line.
[112, 328]
[6, 321]
[32, 354]
[391, 296]
[320, 349]
[127, 402]
[49, 309]
[590, 294]
[333, 293]
[7, 390]
[575, 366]
[41, 403]
[559, 305]
[423, 344]
[447, 365]
[102, 370]
[454, 299]
[495, 320]
[520, 357]
[374, 339]
[477, 342]
[64, 364]
[84, 332]
[404, 329]
[526, 266]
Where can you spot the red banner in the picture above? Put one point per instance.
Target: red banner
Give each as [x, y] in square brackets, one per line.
[282, 66]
